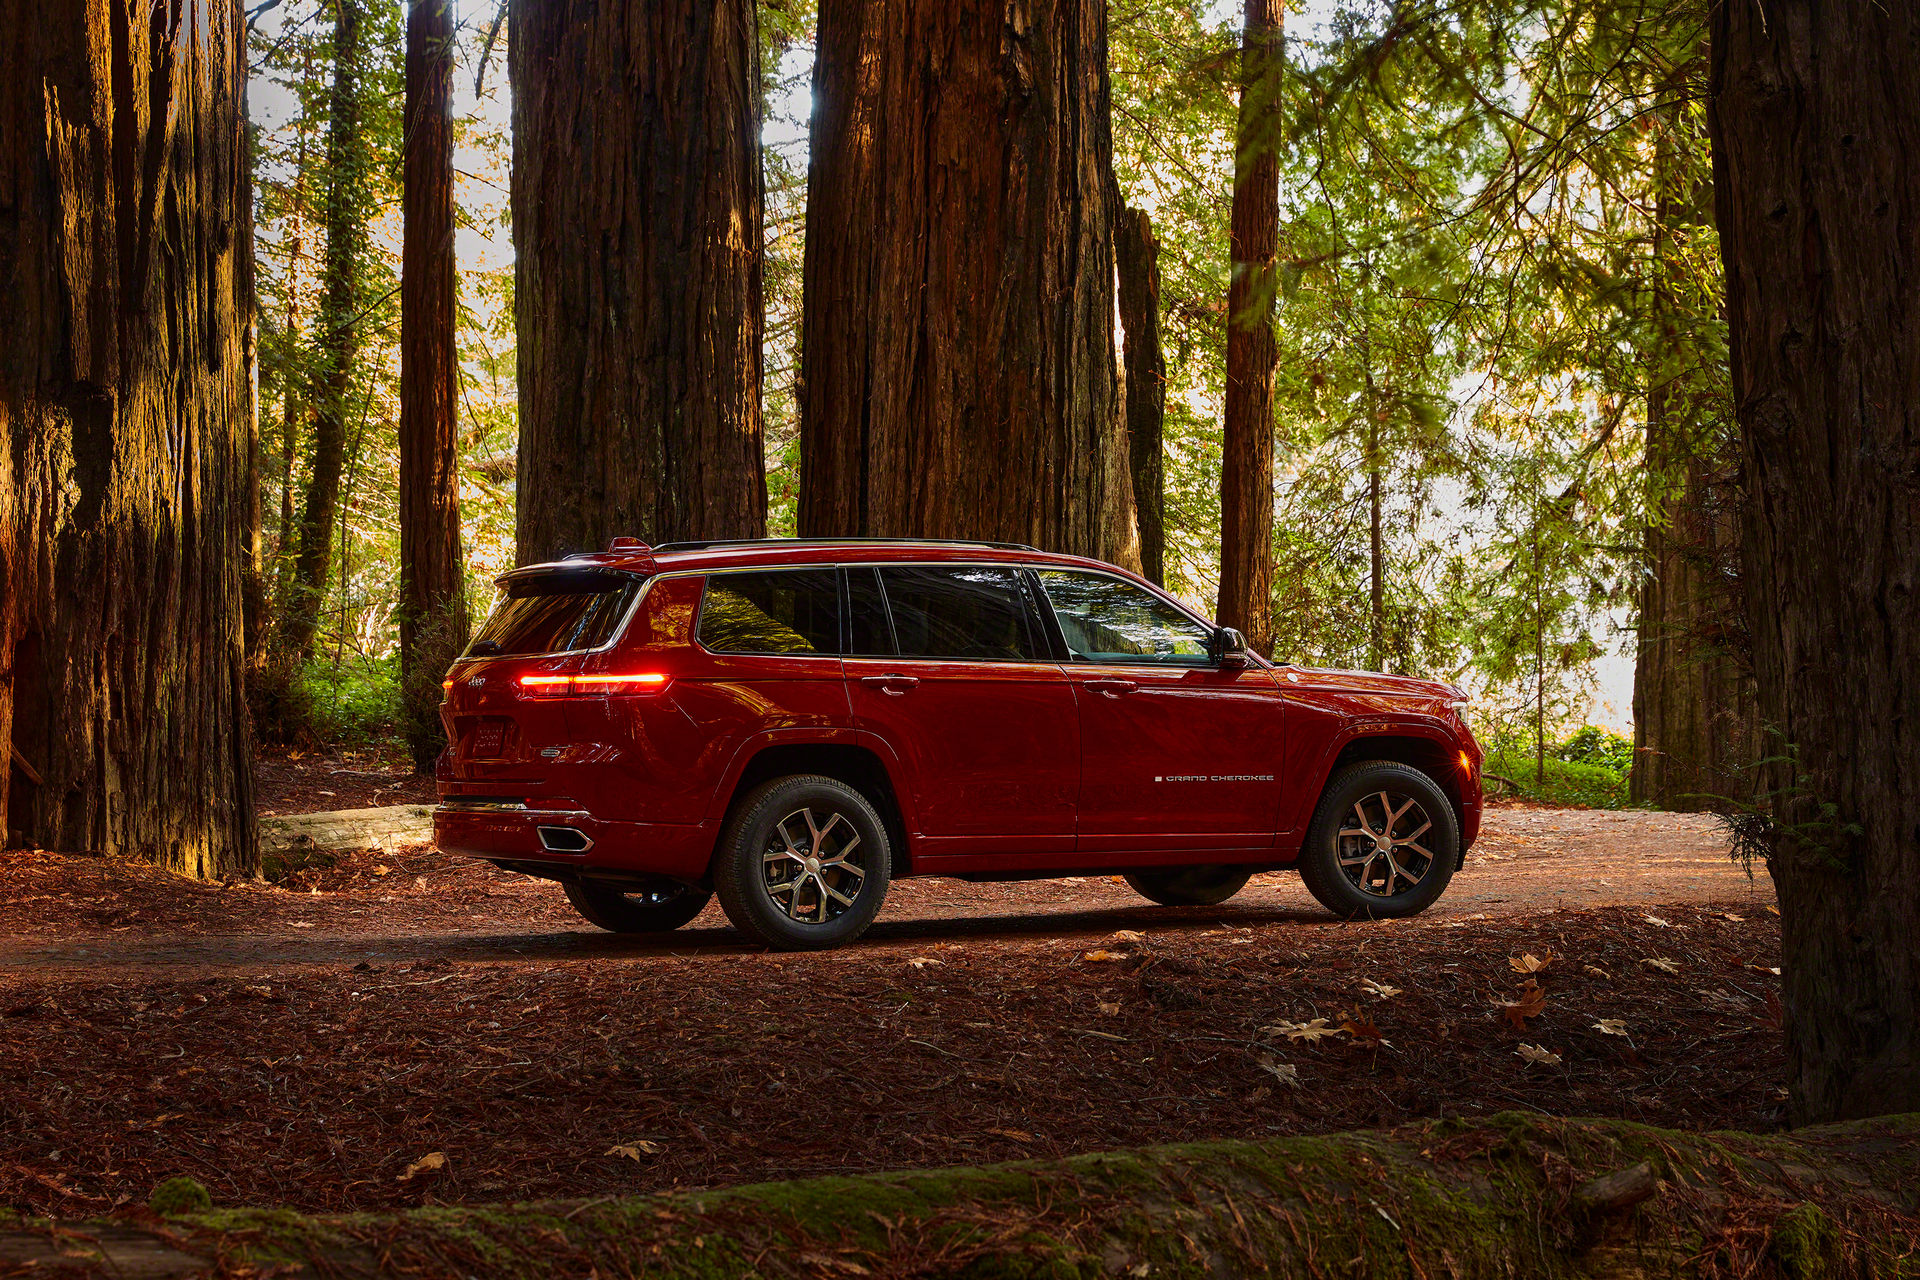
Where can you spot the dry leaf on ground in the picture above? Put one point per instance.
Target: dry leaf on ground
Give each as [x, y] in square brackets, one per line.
[1381, 989]
[1661, 963]
[1311, 1032]
[1360, 1026]
[1285, 1072]
[1530, 1004]
[1103, 956]
[1527, 962]
[1539, 1054]
[1612, 1027]
[425, 1164]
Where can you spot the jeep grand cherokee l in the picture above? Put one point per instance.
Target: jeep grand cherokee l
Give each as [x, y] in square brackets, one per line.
[794, 724]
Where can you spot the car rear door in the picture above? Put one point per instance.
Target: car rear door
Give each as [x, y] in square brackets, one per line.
[946, 671]
[1176, 751]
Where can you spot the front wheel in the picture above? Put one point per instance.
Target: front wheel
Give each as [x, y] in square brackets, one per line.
[654, 908]
[1384, 842]
[1189, 886]
[803, 864]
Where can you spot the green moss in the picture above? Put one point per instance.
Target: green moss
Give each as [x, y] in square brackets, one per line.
[179, 1195]
[1807, 1244]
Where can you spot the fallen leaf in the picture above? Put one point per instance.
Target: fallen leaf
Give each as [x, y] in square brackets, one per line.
[1380, 989]
[1103, 956]
[1360, 1026]
[1774, 910]
[1661, 963]
[1530, 1004]
[1612, 1027]
[1285, 1072]
[1527, 962]
[1539, 1054]
[1129, 935]
[1109, 1008]
[1311, 1032]
[1728, 915]
[1656, 920]
[1598, 972]
[425, 1164]
[1017, 1135]
[921, 962]
[635, 1149]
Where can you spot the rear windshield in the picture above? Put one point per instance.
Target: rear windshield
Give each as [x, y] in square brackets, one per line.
[555, 612]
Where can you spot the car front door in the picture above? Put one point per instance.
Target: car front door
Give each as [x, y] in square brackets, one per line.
[1176, 750]
[945, 668]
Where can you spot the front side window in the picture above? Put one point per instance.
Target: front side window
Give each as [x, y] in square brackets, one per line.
[1110, 621]
[957, 611]
[782, 611]
[556, 612]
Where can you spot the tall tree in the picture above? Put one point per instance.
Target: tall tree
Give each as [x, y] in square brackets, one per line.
[1137, 268]
[1814, 110]
[1246, 463]
[433, 599]
[124, 405]
[957, 363]
[637, 228]
[347, 206]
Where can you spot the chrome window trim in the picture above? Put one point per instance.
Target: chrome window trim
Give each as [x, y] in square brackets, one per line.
[1151, 590]
[700, 614]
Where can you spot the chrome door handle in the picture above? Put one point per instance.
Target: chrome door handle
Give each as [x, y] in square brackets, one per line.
[895, 685]
[1113, 688]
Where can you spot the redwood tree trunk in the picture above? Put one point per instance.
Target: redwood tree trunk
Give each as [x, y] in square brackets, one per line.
[636, 220]
[957, 364]
[336, 337]
[124, 398]
[1137, 267]
[1815, 115]
[433, 599]
[1246, 462]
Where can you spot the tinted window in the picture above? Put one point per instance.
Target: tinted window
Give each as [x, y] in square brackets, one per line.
[1107, 620]
[869, 634]
[797, 611]
[555, 612]
[966, 611]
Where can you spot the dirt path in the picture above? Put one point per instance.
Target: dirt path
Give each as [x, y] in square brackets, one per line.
[73, 916]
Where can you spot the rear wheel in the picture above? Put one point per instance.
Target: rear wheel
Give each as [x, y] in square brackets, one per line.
[654, 908]
[1384, 842]
[1189, 886]
[803, 864]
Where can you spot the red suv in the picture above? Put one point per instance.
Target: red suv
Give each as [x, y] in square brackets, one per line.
[794, 724]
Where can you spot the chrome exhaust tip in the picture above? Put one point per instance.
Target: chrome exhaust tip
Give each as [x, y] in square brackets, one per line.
[564, 839]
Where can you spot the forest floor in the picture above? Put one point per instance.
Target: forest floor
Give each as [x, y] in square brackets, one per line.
[310, 1044]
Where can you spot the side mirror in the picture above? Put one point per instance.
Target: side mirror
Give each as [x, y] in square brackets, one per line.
[1228, 649]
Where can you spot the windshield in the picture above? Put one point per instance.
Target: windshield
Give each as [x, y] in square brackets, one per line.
[556, 612]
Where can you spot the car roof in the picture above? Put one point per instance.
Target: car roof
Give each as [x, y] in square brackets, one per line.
[683, 557]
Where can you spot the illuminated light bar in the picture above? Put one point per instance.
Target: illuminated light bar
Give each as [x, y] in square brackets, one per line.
[556, 686]
[1466, 762]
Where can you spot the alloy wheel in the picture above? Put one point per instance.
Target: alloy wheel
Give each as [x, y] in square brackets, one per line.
[1381, 853]
[813, 865]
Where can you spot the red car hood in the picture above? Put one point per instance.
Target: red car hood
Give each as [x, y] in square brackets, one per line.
[1371, 682]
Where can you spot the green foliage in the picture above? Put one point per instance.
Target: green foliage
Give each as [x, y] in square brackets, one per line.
[1588, 769]
[351, 703]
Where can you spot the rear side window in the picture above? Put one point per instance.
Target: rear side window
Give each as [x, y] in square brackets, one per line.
[791, 611]
[958, 611]
[555, 612]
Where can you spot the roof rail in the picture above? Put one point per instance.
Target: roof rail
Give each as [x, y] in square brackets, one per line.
[829, 542]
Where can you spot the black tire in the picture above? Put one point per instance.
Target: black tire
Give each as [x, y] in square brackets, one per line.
[1189, 886]
[768, 897]
[1372, 884]
[658, 908]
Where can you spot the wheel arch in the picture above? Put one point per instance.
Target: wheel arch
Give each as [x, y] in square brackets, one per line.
[859, 766]
[1433, 755]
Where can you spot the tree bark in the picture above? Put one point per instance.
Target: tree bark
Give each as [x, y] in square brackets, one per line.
[637, 226]
[124, 401]
[1815, 117]
[957, 358]
[1512, 1195]
[433, 597]
[336, 337]
[1137, 267]
[1246, 461]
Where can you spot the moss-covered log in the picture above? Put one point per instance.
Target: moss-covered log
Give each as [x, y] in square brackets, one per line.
[1511, 1196]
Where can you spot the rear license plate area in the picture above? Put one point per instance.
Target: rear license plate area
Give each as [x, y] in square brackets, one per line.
[489, 737]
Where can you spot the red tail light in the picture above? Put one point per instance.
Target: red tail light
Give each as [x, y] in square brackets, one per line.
[591, 686]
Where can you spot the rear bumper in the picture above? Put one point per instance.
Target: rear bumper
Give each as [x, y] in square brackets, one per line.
[505, 834]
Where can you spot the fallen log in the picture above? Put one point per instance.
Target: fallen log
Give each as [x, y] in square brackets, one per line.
[348, 830]
[1509, 1196]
